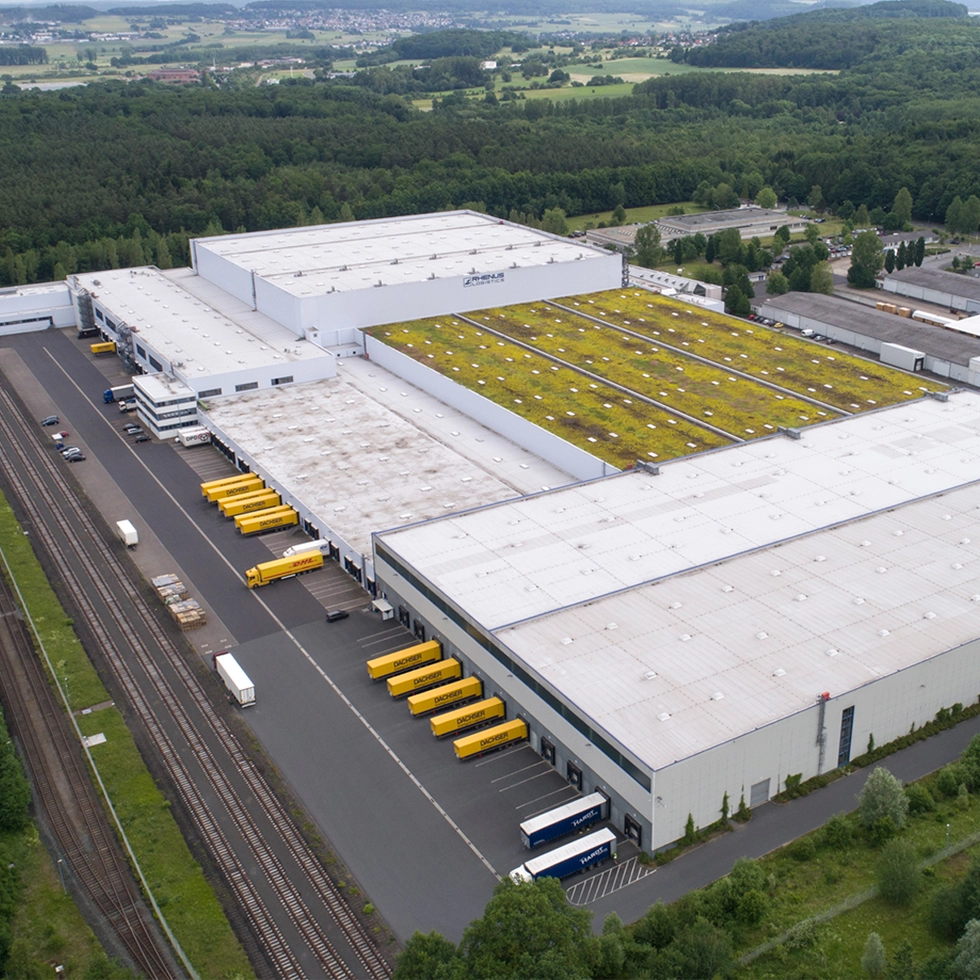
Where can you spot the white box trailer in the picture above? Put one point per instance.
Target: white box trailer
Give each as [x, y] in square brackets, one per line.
[902, 357]
[323, 546]
[195, 435]
[235, 679]
[127, 533]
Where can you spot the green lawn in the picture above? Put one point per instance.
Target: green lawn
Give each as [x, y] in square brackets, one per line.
[177, 881]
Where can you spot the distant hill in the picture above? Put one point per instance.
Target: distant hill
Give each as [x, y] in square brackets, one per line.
[830, 38]
[67, 13]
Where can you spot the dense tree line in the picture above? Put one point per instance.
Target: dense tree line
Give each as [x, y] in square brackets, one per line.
[828, 39]
[23, 54]
[88, 166]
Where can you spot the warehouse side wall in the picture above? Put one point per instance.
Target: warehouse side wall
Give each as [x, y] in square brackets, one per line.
[576, 755]
[761, 760]
[582, 465]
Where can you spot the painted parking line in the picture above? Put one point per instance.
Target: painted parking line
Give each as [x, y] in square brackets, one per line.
[610, 880]
[561, 791]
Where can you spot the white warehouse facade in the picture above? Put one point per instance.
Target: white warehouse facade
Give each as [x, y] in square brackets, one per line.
[725, 622]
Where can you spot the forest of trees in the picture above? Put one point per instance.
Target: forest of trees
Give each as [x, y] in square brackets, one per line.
[82, 170]
[826, 39]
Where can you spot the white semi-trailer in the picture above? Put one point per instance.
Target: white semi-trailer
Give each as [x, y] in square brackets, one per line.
[235, 679]
[323, 546]
[127, 533]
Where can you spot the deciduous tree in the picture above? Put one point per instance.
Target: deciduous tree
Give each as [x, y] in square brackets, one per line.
[882, 796]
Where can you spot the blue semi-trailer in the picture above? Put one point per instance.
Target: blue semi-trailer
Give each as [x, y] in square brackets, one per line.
[586, 852]
[566, 819]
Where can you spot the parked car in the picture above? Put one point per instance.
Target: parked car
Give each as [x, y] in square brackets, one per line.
[334, 614]
[142, 437]
[70, 450]
[50, 420]
[77, 458]
[135, 431]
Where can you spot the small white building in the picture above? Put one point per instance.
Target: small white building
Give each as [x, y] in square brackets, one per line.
[164, 404]
[723, 622]
[35, 307]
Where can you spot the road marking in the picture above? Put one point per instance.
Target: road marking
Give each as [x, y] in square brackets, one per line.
[606, 882]
[299, 646]
[534, 765]
[539, 799]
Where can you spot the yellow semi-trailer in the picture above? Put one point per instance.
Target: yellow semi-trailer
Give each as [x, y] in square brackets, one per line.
[422, 678]
[257, 524]
[272, 571]
[225, 481]
[490, 739]
[103, 347]
[394, 663]
[454, 722]
[235, 489]
[468, 689]
[240, 519]
[248, 502]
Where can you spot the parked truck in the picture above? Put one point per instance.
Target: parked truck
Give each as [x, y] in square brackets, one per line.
[235, 679]
[117, 394]
[128, 533]
[323, 546]
[128, 405]
[194, 435]
[567, 819]
[586, 852]
[272, 571]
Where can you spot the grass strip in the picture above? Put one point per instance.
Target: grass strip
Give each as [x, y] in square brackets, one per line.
[177, 880]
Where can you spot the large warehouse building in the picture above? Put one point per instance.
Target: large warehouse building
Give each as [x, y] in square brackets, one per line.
[737, 618]
[670, 634]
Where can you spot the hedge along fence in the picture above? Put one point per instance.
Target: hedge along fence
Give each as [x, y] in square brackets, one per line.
[846, 382]
[738, 406]
[586, 413]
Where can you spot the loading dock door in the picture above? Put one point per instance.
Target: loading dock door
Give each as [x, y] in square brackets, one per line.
[547, 751]
[574, 775]
[759, 793]
[633, 830]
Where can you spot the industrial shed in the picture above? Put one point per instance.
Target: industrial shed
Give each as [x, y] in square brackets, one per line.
[949, 289]
[750, 222]
[947, 353]
[725, 621]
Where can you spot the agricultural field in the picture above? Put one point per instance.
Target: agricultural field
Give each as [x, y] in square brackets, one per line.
[742, 408]
[591, 415]
[841, 381]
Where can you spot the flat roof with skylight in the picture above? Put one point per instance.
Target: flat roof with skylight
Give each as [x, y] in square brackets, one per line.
[390, 251]
[183, 328]
[367, 451]
[528, 558]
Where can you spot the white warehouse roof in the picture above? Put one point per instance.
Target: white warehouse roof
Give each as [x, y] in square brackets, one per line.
[357, 255]
[677, 667]
[531, 557]
[206, 339]
[366, 450]
[684, 609]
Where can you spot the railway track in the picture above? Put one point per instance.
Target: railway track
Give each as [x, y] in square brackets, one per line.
[201, 754]
[65, 793]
